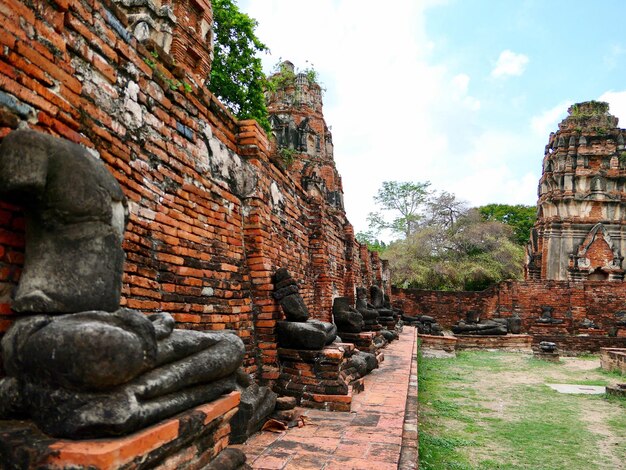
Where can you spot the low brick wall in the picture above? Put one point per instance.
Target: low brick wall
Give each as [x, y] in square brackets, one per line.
[571, 303]
[613, 359]
[190, 440]
[445, 343]
[520, 343]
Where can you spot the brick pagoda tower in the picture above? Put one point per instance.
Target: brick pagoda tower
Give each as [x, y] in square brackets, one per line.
[304, 143]
[580, 233]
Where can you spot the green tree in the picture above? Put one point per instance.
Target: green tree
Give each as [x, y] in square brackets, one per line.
[402, 204]
[521, 218]
[470, 254]
[372, 243]
[237, 77]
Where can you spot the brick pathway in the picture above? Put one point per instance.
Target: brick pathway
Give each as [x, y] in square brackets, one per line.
[368, 437]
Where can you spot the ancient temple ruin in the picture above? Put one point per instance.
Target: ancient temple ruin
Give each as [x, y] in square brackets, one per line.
[580, 233]
[575, 252]
[303, 140]
[136, 169]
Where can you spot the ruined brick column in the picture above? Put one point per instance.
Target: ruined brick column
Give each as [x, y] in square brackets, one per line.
[580, 233]
[304, 149]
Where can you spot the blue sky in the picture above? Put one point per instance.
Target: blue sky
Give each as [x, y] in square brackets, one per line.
[462, 93]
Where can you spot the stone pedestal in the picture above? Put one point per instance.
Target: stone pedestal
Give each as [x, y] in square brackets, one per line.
[390, 323]
[366, 341]
[547, 356]
[613, 359]
[521, 343]
[317, 379]
[189, 440]
[617, 390]
[372, 327]
[549, 329]
[444, 343]
[592, 332]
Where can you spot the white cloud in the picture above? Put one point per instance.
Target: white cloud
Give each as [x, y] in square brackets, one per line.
[395, 113]
[548, 121]
[617, 104]
[461, 82]
[613, 56]
[510, 64]
[486, 172]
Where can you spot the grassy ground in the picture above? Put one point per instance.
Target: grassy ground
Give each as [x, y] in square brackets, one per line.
[493, 410]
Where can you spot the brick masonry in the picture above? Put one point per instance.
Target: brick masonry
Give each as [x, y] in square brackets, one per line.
[212, 214]
[580, 233]
[190, 440]
[613, 359]
[572, 302]
[380, 431]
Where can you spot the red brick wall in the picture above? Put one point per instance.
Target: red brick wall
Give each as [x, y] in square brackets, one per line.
[194, 248]
[571, 302]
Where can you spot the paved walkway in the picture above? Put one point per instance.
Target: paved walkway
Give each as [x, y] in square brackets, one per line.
[368, 437]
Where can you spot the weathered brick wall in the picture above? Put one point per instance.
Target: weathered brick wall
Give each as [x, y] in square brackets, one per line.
[572, 302]
[446, 307]
[614, 360]
[211, 215]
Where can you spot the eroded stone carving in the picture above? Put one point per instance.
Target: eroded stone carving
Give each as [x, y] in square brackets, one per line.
[256, 405]
[97, 370]
[473, 325]
[546, 316]
[369, 313]
[387, 317]
[346, 317]
[297, 331]
[379, 303]
[75, 220]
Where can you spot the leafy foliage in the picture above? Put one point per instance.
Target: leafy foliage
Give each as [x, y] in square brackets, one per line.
[464, 254]
[404, 201]
[520, 217]
[372, 243]
[287, 155]
[237, 76]
[283, 76]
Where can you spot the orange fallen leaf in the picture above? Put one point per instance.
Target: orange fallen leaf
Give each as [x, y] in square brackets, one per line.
[273, 425]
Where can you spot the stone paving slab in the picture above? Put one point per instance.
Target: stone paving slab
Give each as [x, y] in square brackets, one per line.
[370, 436]
[578, 389]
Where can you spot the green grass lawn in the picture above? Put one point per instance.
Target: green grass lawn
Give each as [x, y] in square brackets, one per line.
[492, 410]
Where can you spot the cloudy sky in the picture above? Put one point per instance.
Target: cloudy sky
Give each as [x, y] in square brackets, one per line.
[461, 93]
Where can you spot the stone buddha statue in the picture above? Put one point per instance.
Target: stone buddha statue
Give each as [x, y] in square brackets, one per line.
[347, 318]
[77, 364]
[297, 331]
[367, 310]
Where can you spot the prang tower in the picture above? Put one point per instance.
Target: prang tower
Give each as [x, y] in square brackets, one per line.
[580, 233]
[303, 144]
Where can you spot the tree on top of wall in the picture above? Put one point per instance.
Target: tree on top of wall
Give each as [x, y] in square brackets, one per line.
[369, 239]
[237, 77]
